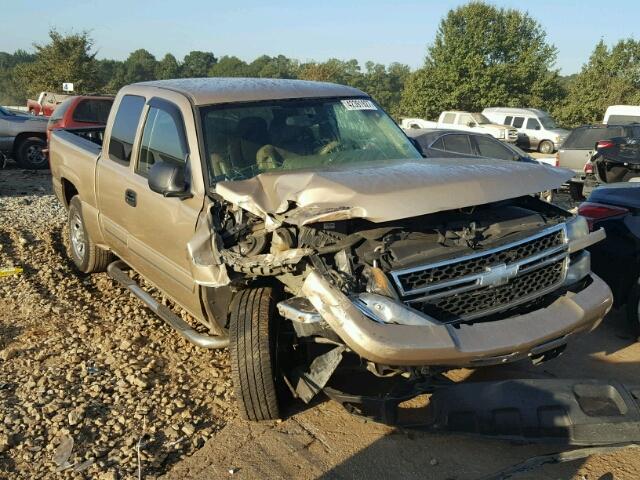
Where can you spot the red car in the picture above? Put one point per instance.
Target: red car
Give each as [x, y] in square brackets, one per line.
[80, 111]
[46, 103]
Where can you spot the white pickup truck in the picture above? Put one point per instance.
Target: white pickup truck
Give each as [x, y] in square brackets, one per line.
[477, 123]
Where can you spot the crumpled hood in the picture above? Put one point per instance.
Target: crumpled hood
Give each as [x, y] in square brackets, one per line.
[384, 191]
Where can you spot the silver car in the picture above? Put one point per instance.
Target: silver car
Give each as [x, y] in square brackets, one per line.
[23, 138]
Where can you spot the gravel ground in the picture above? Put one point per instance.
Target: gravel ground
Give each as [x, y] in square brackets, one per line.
[87, 374]
[82, 360]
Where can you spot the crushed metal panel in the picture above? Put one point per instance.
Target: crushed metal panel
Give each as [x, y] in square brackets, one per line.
[389, 190]
[206, 266]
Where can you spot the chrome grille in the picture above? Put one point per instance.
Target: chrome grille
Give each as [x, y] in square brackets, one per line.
[485, 300]
[480, 283]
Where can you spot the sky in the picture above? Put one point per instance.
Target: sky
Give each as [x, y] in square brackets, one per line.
[382, 31]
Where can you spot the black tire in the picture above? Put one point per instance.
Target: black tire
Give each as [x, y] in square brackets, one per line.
[30, 155]
[633, 308]
[546, 146]
[87, 257]
[253, 351]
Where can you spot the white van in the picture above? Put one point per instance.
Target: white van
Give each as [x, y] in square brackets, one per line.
[536, 128]
[622, 115]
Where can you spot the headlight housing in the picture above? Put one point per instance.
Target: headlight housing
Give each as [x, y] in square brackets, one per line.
[386, 310]
[577, 228]
[501, 134]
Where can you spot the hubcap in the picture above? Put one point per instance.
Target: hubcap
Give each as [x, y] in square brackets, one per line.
[546, 148]
[35, 155]
[77, 236]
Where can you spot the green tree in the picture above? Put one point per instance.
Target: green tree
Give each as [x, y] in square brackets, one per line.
[12, 91]
[333, 70]
[110, 76]
[167, 68]
[229, 66]
[66, 58]
[384, 84]
[140, 66]
[273, 67]
[610, 77]
[197, 64]
[484, 56]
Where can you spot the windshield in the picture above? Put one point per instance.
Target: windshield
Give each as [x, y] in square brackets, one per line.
[243, 141]
[480, 119]
[547, 122]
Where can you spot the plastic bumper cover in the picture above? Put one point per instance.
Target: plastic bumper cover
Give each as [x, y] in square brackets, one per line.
[461, 345]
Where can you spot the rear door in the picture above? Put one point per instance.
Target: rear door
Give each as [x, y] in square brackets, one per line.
[113, 174]
[531, 133]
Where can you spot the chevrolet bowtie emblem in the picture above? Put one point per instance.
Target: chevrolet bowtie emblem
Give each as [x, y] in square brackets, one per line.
[498, 275]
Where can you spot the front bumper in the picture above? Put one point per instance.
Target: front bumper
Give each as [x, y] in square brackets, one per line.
[464, 345]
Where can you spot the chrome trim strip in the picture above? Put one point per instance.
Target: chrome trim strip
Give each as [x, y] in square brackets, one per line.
[478, 276]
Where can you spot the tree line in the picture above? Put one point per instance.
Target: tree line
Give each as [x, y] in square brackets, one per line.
[481, 56]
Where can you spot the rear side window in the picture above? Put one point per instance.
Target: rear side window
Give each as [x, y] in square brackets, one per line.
[61, 109]
[508, 120]
[458, 144]
[162, 141]
[92, 111]
[493, 149]
[123, 132]
[533, 124]
[518, 122]
[449, 118]
[585, 138]
[438, 144]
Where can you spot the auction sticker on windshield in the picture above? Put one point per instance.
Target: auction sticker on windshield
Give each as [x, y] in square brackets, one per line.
[358, 104]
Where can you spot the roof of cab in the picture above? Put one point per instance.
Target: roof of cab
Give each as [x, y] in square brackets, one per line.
[212, 90]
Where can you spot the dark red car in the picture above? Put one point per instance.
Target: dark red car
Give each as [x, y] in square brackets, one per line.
[80, 111]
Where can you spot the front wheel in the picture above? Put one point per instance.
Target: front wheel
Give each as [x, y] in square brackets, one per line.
[546, 147]
[253, 349]
[30, 154]
[86, 256]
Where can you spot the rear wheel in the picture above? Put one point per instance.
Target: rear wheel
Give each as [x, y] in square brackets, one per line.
[546, 146]
[253, 332]
[87, 256]
[30, 154]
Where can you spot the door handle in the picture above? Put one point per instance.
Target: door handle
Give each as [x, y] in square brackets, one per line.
[130, 197]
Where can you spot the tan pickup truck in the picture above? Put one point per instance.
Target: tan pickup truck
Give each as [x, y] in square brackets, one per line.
[300, 227]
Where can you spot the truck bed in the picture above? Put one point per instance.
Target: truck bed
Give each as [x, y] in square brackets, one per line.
[73, 154]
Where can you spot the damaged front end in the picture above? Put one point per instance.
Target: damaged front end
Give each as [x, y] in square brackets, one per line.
[409, 297]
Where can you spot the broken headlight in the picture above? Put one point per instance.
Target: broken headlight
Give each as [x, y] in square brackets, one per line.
[386, 310]
[577, 228]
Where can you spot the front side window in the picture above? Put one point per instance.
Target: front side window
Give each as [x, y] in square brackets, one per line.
[533, 124]
[162, 141]
[480, 119]
[518, 122]
[466, 120]
[493, 149]
[244, 141]
[123, 132]
[508, 120]
[458, 144]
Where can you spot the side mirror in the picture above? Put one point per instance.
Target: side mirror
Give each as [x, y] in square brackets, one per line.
[537, 127]
[471, 124]
[169, 180]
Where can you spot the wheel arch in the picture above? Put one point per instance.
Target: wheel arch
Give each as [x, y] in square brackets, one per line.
[21, 137]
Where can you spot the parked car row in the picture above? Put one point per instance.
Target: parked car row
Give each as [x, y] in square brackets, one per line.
[25, 137]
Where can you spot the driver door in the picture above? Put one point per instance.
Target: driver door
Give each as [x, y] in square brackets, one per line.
[159, 227]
